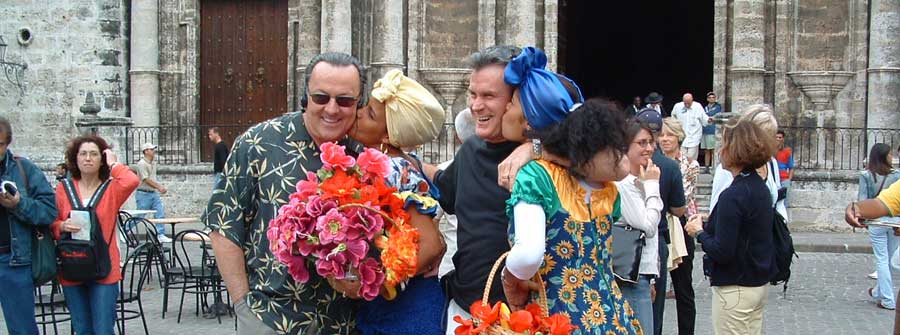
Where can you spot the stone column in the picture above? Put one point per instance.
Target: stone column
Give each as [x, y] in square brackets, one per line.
[337, 29]
[387, 41]
[884, 65]
[747, 73]
[520, 18]
[144, 72]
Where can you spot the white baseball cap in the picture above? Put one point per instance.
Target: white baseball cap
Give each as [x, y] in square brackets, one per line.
[148, 145]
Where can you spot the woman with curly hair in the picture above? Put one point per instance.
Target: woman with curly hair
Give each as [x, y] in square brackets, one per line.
[91, 162]
[561, 217]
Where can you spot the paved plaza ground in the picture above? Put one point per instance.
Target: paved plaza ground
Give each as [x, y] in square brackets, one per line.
[827, 295]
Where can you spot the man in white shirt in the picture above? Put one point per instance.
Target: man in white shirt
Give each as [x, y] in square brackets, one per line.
[693, 118]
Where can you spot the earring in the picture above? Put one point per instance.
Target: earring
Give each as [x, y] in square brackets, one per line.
[382, 148]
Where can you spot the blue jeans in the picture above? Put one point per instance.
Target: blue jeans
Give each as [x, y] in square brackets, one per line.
[638, 296]
[152, 201]
[884, 244]
[93, 307]
[659, 305]
[17, 297]
[217, 178]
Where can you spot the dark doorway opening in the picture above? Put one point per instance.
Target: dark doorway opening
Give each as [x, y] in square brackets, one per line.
[621, 49]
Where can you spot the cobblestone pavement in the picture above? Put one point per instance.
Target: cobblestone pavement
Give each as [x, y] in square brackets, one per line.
[827, 295]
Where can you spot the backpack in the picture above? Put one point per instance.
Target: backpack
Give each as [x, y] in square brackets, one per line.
[784, 247]
[85, 260]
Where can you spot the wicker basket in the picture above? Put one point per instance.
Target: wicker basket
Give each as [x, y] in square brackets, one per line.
[542, 297]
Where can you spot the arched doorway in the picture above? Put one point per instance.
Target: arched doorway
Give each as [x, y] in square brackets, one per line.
[620, 49]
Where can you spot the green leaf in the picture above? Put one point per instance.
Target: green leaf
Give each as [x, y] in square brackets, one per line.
[324, 174]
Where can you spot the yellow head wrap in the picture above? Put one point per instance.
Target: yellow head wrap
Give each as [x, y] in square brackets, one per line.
[414, 116]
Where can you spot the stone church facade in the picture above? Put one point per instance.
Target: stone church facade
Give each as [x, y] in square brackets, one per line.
[161, 66]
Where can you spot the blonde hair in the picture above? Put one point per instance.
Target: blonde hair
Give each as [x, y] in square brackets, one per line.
[763, 116]
[674, 127]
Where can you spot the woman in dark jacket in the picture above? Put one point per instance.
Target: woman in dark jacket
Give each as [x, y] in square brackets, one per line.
[738, 239]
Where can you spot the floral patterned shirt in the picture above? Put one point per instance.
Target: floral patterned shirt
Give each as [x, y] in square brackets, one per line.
[689, 172]
[413, 186]
[261, 172]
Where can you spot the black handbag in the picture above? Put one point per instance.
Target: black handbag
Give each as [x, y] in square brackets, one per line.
[43, 248]
[628, 244]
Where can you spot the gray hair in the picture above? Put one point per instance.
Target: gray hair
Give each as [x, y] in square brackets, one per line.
[493, 55]
[465, 125]
[763, 116]
[337, 59]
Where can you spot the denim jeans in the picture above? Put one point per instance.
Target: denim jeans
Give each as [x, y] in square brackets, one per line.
[884, 244]
[17, 297]
[151, 201]
[217, 178]
[93, 307]
[638, 296]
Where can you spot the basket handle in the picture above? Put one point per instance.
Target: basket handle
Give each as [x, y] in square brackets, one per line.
[542, 293]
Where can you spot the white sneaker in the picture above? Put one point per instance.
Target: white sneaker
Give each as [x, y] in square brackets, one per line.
[164, 239]
[873, 275]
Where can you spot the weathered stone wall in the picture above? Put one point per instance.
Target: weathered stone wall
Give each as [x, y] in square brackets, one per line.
[77, 47]
[451, 32]
[817, 199]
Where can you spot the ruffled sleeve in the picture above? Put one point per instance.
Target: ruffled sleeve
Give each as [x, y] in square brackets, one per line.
[534, 186]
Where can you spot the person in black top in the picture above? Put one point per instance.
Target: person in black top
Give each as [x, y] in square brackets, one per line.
[220, 154]
[738, 239]
[634, 108]
[469, 186]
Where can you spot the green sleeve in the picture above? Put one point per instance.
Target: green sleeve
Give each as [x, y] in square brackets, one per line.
[617, 208]
[534, 186]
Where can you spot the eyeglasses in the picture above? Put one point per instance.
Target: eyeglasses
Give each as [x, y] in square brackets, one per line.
[644, 143]
[343, 101]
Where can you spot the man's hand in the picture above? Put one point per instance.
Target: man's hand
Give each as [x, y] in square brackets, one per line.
[507, 170]
[852, 216]
[694, 225]
[348, 287]
[9, 201]
[163, 189]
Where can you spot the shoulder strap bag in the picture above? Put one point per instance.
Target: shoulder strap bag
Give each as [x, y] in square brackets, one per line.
[43, 248]
[85, 260]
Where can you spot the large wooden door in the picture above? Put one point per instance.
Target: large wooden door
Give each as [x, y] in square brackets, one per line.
[243, 64]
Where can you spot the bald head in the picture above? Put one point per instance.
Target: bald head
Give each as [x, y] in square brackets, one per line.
[688, 99]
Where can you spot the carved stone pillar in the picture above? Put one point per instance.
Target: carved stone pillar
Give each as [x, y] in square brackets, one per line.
[884, 65]
[746, 76]
[520, 22]
[337, 29]
[144, 72]
[387, 44]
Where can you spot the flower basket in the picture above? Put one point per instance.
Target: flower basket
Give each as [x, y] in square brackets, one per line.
[498, 320]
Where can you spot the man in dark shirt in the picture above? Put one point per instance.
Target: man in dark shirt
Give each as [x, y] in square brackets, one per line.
[635, 106]
[469, 185]
[671, 190]
[220, 154]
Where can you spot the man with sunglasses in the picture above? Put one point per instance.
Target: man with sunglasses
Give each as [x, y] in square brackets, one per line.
[261, 171]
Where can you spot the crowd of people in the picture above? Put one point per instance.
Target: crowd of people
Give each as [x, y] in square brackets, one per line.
[543, 174]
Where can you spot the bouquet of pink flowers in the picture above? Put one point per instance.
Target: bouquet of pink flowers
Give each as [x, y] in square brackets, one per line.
[347, 222]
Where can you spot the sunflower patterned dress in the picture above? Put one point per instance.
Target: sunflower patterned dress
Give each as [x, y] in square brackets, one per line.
[577, 266]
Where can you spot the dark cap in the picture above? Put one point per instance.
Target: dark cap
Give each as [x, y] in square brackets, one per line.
[653, 98]
[651, 118]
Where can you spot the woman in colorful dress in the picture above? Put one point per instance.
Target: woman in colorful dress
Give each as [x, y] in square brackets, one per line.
[561, 217]
[401, 113]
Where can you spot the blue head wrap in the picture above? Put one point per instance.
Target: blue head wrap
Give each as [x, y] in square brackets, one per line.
[545, 101]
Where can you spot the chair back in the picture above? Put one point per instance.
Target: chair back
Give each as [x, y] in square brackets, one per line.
[135, 272]
[188, 244]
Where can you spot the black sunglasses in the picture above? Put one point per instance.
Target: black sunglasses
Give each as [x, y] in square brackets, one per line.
[343, 101]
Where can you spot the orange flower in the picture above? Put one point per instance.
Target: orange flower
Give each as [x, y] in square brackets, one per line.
[465, 327]
[559, 324]
[521, 321]
[341, 184]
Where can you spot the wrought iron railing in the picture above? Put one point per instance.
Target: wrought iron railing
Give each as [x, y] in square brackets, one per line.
[177, 145]
[835, 149]
[180, 145]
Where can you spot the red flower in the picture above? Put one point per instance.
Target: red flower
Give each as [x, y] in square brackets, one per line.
[466, 327]
[370, 277]
[559, 324]
[307, 188]
[374, 163]
[335, 157]
[520, 321]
